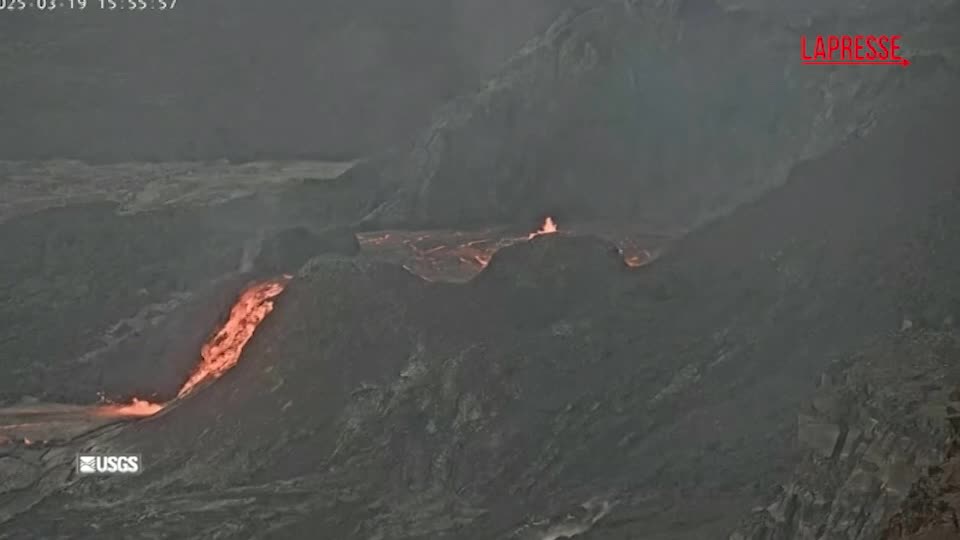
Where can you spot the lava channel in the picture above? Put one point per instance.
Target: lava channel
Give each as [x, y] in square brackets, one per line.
[222, 352]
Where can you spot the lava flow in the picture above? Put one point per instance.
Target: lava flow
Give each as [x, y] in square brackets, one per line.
[458, 256]
[39, 423]
[446, 255]
[220, 353]
[223, 351]
[134, 409]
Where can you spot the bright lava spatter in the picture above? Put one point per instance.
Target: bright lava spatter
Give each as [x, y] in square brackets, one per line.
[549, 227]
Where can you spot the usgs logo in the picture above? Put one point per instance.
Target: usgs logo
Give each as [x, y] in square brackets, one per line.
[103, 464]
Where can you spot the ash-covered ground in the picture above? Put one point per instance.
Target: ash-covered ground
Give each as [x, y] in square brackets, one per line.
[649, 280]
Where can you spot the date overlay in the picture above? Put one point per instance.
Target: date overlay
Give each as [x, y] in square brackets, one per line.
[7, 6]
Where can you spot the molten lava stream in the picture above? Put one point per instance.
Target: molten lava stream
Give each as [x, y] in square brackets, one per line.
[220, 353]
[137, 408]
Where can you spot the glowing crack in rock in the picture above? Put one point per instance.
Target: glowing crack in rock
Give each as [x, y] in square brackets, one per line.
[549, 227]
[223, 351]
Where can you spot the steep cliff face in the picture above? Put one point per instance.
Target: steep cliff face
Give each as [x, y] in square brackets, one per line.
[877, 424]
[670, 110]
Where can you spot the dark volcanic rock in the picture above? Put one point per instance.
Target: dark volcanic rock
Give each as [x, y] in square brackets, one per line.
[874, 427]
[553, 260]
[553, 273]
[287, 250]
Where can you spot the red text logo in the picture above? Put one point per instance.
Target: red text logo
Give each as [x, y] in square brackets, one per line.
[851, 50]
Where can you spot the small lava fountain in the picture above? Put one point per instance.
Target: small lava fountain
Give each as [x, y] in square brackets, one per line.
[549, 227]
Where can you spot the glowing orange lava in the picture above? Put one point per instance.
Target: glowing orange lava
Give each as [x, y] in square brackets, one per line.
[637, 258]
[549, 227]
[134, 409]
[458, 256]
[223, 351]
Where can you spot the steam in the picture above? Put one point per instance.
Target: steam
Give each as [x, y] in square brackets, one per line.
[251, 249]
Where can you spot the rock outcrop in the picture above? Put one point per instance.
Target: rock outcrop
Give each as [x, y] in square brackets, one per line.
[932, 510]
[878, 423]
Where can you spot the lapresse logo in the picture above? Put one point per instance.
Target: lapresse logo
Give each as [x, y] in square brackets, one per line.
[108, 464]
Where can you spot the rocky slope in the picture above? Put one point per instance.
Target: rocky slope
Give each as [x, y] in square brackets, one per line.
[874, 429]
[932, 510]
[674, 110]
[29, 187]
